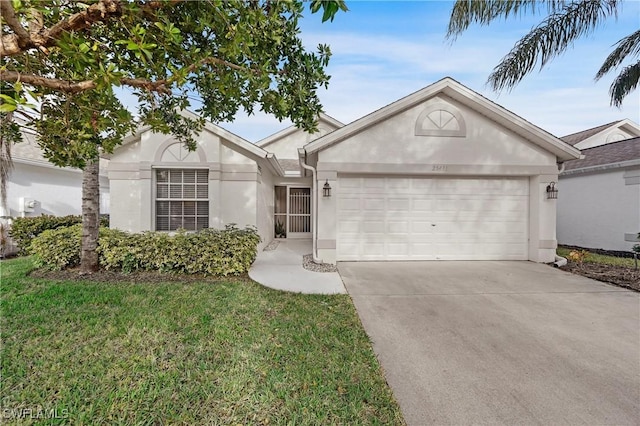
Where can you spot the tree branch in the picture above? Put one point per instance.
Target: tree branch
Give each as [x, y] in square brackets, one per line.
[20, 41]
[80, 86]
[97, 12]
[8, 14]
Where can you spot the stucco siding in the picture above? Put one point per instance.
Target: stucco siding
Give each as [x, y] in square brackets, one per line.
[238, 202]
[264, 217]
[395, 141]
[125, 197]
[232, 179]
[597, 210]
[287, 146]
[57, 191]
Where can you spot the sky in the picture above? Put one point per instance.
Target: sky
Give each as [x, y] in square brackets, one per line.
[385, 50]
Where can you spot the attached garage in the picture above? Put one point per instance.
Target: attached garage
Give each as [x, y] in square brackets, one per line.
[406, 218]
[442, 174]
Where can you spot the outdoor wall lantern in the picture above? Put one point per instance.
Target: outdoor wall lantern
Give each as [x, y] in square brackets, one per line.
[326, 189]
[552, 191]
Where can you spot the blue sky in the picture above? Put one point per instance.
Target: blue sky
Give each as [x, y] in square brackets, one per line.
[385, 50]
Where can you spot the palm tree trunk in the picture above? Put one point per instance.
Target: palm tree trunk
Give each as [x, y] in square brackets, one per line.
[90, 216]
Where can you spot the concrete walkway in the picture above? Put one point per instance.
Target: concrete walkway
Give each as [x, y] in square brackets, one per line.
[281, 269]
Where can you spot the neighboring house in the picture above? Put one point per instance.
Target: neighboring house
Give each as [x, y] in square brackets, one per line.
[606, 133]
[599, 201]
[443, 173]
[38, 187]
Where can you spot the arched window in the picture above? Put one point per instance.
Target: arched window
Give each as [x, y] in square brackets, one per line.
[177, 152]
[440, 119]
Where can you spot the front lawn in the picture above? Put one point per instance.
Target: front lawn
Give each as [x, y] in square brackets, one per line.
[217, 352]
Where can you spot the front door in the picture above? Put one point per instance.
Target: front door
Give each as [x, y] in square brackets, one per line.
[293, 216]
[299, 212]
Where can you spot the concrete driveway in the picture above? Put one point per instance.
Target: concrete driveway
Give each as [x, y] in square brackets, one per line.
[501, 342]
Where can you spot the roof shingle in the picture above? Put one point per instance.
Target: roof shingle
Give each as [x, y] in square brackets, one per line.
[611, 153]
[578, 137]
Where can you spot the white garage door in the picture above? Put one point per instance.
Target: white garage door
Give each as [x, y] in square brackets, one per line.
[432, 219]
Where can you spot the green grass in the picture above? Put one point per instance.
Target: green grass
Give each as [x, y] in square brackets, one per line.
[229, 352]
[600, 258]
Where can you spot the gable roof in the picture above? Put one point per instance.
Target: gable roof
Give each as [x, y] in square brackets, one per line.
[237, 142]
[292, 129]
[578, 137]
[615, 154]
[464, 95]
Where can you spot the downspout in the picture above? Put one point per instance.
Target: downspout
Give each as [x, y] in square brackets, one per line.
[561, 167]
[559, 262]
[314, 187]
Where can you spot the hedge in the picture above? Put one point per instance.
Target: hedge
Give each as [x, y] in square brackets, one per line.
[25, 229]
[230, 251]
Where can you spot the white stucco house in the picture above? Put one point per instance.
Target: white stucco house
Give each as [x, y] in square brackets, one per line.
[443, 173]
[37, 187]
[599, 206]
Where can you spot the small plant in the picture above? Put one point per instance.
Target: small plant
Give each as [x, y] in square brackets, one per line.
[578, 256]
[280, 231]
[636, 252]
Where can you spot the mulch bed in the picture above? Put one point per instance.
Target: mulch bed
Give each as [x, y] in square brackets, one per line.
[617, 275]
[133, 277]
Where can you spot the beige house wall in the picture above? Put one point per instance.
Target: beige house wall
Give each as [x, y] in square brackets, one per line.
[234, 181]
[392, 147]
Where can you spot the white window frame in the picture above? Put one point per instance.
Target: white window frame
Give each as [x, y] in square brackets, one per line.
[156, 199]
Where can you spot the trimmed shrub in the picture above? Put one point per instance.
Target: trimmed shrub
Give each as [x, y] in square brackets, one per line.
[230, 251]
[57, 249]
[25, 229]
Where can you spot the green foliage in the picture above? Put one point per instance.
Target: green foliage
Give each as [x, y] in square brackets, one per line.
[25, 229]
[212, 252]
[232, 55]
[566, 22]
[57, 249]
[230, 251]
[279, 229]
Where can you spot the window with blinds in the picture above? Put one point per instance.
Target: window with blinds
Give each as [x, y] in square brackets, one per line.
[182, 199]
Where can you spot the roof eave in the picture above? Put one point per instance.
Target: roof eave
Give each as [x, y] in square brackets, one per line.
[464, 95]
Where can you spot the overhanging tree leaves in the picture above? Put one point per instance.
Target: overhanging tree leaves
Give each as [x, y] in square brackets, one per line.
[566, 22]
[70, 56]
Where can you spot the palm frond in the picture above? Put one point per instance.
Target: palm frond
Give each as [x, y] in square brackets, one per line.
[467, 12]
[625, 83]
[550, 39]
[628, 46]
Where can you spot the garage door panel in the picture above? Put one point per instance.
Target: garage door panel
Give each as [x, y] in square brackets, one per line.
[432, 218]
[349, 204]
[372, 204]
[373, 227]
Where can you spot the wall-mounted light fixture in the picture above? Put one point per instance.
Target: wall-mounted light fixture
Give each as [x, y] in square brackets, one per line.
[326, 189]
[552, 191]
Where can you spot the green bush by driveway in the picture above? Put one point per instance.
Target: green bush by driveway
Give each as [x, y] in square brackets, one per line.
[218, 352]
